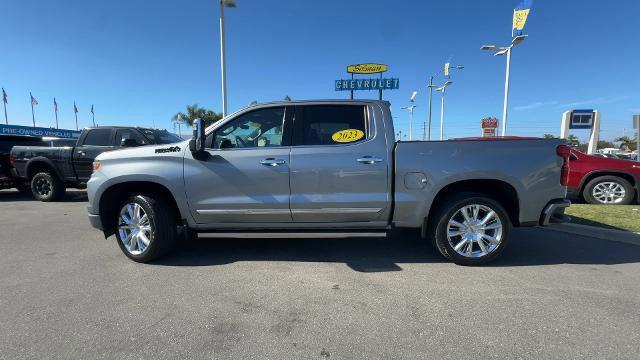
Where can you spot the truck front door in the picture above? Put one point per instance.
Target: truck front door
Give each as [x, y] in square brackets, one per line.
[339, 165]
[245, 177]
[93, 143]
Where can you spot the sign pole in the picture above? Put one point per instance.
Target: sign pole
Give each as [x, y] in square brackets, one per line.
[636, 125]
[380, 87]
[351, 89]
[506, 94]
[6, 120]
[442, 116]
[428, 134]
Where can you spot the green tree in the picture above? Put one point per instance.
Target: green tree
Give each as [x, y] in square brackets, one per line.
[549, 136]
[573, 140]
[195, 112]
[627, 142]
[603, 144]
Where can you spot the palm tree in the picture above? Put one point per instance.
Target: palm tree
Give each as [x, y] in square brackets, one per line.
[627, 142]
[195, 112]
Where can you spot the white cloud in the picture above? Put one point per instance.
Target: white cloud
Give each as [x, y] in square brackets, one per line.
[534, 105]
[599, 101]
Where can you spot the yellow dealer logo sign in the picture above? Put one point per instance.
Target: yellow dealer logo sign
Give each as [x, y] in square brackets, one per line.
[366, 68]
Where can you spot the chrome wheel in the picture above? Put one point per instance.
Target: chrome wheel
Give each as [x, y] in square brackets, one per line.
[134, 228]
[609, 192]
[474, 231]
[43, 186]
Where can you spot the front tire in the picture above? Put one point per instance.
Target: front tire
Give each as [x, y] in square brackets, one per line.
[470, 229]
[46, 187]
[608, 190]
[146, 228]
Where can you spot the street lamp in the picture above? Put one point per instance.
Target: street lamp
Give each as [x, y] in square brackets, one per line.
[223, 68]
[499, 51]
[431, 86]
[410, 108]
[440, 88]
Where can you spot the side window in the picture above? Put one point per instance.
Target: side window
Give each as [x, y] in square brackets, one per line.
[260, 128]
[123, 134]
[98, 137]
[332, 124]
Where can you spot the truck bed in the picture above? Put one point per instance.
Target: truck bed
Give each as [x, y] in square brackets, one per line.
[530, 167]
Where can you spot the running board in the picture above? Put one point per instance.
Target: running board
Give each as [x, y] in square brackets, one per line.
[290, 234]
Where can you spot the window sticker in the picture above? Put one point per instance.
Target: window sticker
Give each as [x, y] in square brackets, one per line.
[347, 136]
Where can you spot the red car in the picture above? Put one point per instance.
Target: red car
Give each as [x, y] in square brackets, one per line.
[600, 180]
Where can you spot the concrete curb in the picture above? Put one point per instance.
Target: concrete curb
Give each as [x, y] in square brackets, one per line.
[622, 236]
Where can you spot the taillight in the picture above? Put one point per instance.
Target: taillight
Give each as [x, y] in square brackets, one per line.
[565, 153]
[12, 160]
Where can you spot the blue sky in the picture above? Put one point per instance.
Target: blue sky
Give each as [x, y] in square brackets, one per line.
[139, 61]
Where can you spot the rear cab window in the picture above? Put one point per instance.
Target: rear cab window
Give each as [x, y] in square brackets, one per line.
[330, 124]
[98, 137]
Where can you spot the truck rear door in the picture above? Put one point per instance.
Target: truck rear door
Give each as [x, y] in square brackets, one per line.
[92, 143]
[339, 165]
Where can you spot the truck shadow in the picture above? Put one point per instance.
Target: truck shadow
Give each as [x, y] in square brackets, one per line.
[528, 247]
[69, 196]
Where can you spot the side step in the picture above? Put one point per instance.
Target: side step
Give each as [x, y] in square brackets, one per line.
[291, 234]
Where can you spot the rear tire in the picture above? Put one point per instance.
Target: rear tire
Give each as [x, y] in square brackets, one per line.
[146, 227]
[475, 239]
[608, 190]
[46, 187]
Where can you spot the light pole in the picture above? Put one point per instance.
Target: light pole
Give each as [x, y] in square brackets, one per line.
[499, 52]
[442, 90]
[431, 86]
[410, 108]
[223, 68]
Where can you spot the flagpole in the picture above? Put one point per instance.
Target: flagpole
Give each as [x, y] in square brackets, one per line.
[6, 120]
[75, 111]
[76, 121]
[33, 114]
[93, 116]
[56, 118]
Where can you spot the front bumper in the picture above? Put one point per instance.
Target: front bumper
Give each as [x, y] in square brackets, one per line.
[95, 221]
[554, 212]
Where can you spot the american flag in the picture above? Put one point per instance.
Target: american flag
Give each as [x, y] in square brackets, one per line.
[75, 108]
[55, 104]
[33, 100]
[5, 98]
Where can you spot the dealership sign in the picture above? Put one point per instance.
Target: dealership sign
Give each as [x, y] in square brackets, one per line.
[581, 119]
[367, 84]
[38, 131]
[489, 126]
[367, 68]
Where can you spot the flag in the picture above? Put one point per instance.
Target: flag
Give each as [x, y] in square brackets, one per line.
[520, 14]
[55, 104]
[5, 98]
[75, 108]
[92, 109]
[33, 100]
[446, 69]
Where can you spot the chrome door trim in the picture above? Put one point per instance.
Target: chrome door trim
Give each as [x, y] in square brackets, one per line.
[243, 211]
[337, 211]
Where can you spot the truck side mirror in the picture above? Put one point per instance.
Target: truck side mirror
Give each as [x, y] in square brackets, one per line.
[197, 142]
[129, 143]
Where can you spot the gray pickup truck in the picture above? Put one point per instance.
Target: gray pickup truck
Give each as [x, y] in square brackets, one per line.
[326, 168]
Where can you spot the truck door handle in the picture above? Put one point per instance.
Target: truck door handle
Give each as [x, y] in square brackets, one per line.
[82, 153]
[272, 162]
[369, 160]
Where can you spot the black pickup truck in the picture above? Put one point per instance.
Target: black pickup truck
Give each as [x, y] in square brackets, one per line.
[51, 170]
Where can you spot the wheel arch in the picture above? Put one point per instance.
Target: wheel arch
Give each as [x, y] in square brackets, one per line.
[502, 192]
[39, 164]
[112, 197]
[597, 173]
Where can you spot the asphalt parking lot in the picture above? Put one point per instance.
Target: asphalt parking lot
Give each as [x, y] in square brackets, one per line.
[67, 293]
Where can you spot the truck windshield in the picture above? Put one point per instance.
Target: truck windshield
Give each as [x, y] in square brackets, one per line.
[161, 136]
